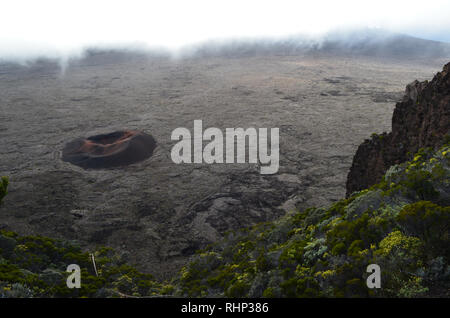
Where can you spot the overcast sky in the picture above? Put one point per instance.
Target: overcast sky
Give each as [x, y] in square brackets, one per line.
[30, 27]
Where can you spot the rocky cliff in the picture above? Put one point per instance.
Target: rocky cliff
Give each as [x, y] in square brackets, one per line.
[421, 119]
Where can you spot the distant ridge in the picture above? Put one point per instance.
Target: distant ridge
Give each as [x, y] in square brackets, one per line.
[365, 43]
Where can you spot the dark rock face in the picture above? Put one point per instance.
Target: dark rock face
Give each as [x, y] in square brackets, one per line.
[421, 119]
[119, 148]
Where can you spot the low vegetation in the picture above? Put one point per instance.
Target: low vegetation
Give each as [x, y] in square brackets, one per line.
[401, 224]
[35, 266]
[3, 188]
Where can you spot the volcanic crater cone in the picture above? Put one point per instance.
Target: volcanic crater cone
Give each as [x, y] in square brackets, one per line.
[119, 148]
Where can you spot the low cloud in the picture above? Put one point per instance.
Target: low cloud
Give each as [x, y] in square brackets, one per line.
[55, 29]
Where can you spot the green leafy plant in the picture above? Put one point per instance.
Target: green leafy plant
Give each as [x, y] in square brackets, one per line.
[3, 187]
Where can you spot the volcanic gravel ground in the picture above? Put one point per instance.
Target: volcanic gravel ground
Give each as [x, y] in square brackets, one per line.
[157, 213]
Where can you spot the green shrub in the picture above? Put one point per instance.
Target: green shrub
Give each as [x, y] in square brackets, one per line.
[3, 187]
[430, 222]
[420, 182]
[238, 290]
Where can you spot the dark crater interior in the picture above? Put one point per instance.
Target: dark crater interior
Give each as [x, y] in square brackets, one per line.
[119, 148]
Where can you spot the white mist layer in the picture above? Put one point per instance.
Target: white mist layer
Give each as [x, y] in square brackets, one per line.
[54, 28]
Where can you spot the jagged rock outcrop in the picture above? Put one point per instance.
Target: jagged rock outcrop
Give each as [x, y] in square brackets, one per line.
[421, 119]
